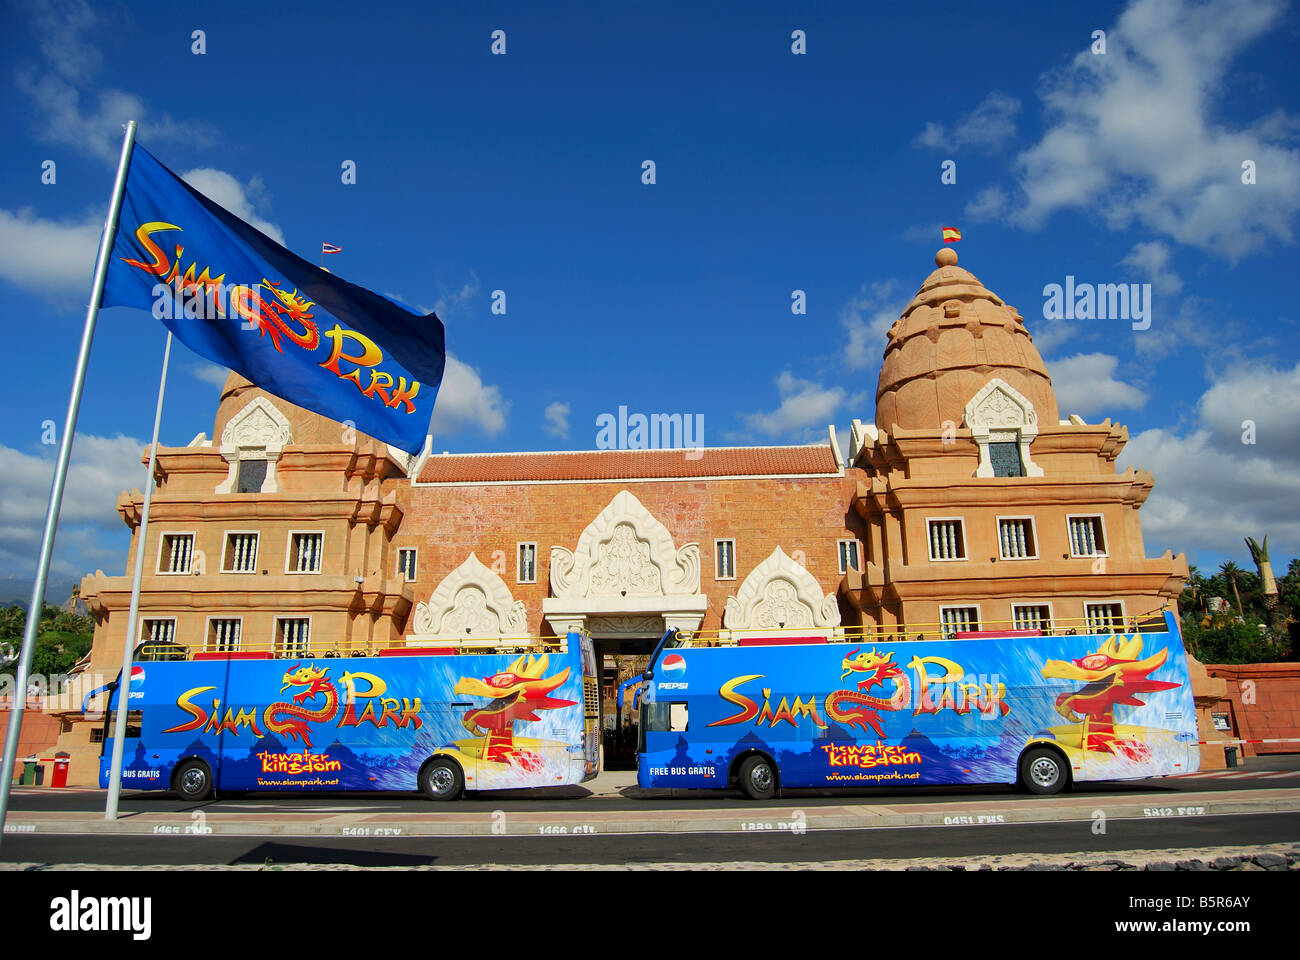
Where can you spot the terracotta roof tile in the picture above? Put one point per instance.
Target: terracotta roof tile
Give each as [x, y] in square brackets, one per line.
[629, 464]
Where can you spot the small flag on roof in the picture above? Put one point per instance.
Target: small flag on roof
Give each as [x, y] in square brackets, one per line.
[951, 234]
[330, 248]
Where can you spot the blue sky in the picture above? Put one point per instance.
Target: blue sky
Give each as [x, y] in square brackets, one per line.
[774, 172]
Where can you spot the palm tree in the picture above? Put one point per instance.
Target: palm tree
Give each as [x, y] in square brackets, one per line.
[1259, 553]
[1230, 571]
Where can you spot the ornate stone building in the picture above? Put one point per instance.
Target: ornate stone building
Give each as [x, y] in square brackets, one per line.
[983, 506]
[969, 503]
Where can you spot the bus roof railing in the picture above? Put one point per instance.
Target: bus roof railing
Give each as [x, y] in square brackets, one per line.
[891, 633]
[244, 649]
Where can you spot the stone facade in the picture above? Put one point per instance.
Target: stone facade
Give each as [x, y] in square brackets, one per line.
[372, 549]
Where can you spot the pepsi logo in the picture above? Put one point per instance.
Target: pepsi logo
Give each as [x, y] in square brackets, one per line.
[674, 665]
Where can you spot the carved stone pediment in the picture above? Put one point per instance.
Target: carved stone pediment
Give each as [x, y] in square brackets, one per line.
[470, 603]
[258, 424]
[999, 413]
[998, 405]
[625, 578]
[625, 552]
[780, 594]
[257, 432]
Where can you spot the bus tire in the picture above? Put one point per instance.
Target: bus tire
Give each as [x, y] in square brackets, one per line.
[193, 780]
[1043, 771]
[441, 779]
[757, 777]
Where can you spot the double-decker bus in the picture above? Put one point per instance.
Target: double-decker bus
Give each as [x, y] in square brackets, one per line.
[441, 720]
[1033, 707]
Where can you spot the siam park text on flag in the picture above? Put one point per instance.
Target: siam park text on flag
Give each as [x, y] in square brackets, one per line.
[236, 297]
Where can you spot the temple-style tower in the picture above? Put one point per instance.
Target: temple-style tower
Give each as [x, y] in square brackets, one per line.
[984, 508]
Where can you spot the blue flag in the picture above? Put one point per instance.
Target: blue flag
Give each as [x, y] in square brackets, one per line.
[233, 295]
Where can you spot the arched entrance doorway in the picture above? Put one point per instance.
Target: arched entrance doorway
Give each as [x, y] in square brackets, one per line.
[625, 583]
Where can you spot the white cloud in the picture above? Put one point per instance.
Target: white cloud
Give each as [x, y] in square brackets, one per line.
[449, 303]
[1085, 383]
[71, 110]
[224, 190]
[55, 259]
[212, 373]
[1133, 135]
[866, 319]
[988, 127]
[803, 404]
[989, 204]
[1211, 488]
[99, 470]
[557, 419]
[1150, 264]
[464, 400]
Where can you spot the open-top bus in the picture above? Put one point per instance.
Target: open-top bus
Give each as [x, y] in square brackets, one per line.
[763, 712]
[441, 720]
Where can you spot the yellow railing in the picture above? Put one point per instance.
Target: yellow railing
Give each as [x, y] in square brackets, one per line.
[894, 633]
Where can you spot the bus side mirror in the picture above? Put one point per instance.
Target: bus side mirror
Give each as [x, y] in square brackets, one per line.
[648, 675]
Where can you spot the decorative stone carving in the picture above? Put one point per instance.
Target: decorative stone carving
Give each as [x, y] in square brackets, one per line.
[999, 413]
[626, 578]
[471, 602]
[624, 552]
[257, 432]
[781, 594]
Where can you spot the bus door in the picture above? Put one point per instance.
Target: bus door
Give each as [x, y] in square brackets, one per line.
[588, 764]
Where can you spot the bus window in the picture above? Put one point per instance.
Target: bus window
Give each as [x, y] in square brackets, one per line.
[665, 717]
[133, 719]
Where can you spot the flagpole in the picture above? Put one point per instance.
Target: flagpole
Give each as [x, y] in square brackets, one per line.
[60, 476]
[128, 648]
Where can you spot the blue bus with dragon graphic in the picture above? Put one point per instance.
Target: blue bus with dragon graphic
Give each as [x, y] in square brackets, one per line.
[763, 713]
[437, 720]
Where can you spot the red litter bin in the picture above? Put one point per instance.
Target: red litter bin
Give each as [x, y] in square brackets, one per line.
[60, 777]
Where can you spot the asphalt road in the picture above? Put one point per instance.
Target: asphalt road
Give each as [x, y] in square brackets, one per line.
[950, 843]
[771, 846]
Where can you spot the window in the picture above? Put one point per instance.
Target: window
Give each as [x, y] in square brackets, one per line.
[304, 552]
[176, 553]
[223, 635]
[959, 618]
[291, 636]
[725, 557]
[241, 553]
[406, 563]
[1032, 616]
[133, 720]
[1016, 538]
[1004, 458]
[1103, 617]
[849, 556]
[252, 474]
[527, 563]
[1087, 537]
[947, 539]
[158, 631]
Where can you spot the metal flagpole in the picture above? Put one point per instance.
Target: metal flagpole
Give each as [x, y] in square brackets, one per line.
[128, 648]
[61, 474]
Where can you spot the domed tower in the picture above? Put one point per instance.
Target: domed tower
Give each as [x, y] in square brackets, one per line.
[985, 510]
[952, 339]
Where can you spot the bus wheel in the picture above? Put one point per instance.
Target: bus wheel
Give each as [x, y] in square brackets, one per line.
[441, 780]
[1042, 771]
[757, 778]
[193, 780]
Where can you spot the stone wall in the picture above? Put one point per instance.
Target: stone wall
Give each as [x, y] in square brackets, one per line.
[1262, 701]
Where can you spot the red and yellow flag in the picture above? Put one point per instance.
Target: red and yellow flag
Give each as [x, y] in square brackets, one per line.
[951, 234]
